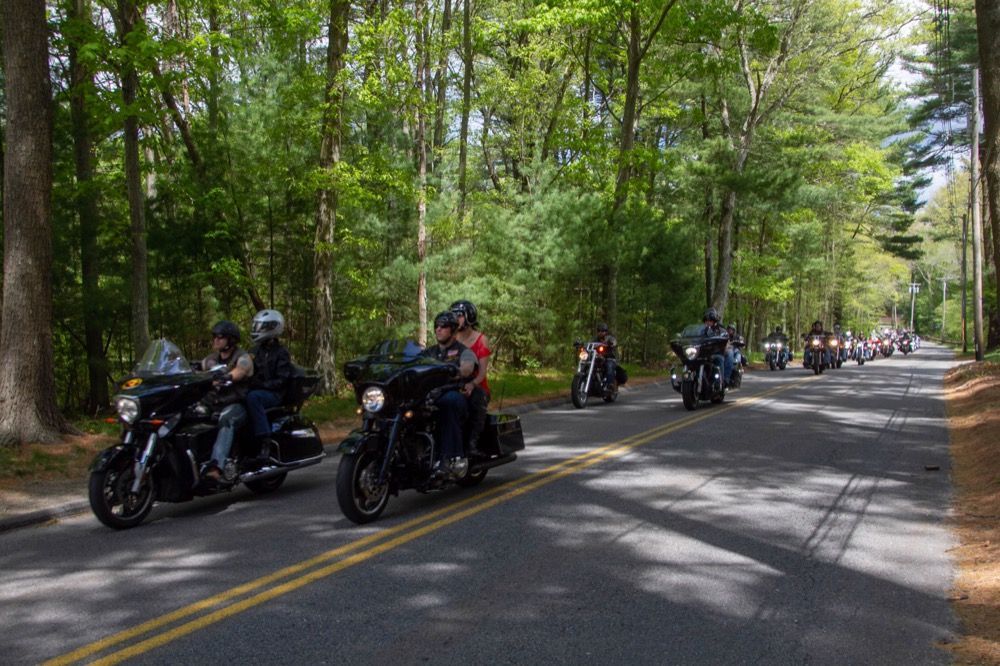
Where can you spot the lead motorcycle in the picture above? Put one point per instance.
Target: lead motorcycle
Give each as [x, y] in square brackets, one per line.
[589, 378]
[395, 447]
[814, 357]
[700, 377]
[168, 430]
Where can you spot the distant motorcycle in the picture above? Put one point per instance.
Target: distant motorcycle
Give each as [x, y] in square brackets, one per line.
[814, 357]
[590, 372]
[775, 354]
[700, 377]
[395, 447]
[168, 431]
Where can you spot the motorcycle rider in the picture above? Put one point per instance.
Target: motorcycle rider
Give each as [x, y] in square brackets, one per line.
[816, 329]
[477, 389]
[734, 354]
[272, 370]
[453, 406]
[230, 391]
[603, 335]
[713, 329]
[779, 336]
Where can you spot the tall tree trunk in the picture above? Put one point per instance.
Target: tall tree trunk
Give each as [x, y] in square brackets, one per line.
[326, 210]
[28, 410]
[420, 140]
[128, 16]
[441, 85]
[988, 31]
[81, 80]
[463, 133]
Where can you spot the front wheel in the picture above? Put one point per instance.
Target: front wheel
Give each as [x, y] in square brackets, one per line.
[361, 498]
[579, 391]
[688, 395]
[112, 499]
[268, 485]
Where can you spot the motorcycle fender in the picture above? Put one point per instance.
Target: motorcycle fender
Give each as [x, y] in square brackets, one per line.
[109, 456]
[355, 441]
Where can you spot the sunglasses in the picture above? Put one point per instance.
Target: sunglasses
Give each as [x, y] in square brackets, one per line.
[216, 336]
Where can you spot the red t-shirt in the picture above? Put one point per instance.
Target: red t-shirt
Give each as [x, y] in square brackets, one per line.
[481, 350]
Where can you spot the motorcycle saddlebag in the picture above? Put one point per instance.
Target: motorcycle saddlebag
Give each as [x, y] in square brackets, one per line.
[503, 434]
[297, 439]
[620, 375]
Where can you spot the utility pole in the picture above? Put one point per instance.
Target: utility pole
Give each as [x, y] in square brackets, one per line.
[965, 282]
[977, 223]
[944, 304]
[914, 289]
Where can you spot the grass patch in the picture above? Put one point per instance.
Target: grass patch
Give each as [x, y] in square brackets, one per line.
[47, 461]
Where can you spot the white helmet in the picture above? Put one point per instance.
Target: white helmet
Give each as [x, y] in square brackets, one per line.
[266, 324]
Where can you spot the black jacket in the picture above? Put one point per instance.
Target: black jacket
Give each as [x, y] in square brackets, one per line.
[272, 367]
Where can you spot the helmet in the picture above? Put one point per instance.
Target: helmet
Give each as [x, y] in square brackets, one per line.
[817, 323]
[227, 329]
[468, 309]
[711, 314]
[446, 318]
[602, 327]
[267, 324]
[777, 329]
[731, 327]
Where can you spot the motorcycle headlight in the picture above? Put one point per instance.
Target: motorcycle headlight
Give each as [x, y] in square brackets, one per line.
[778, 345]
[127, 408]
[583, 354]
[691, 353]
[816, 342]
[833, 343]
[373, 399]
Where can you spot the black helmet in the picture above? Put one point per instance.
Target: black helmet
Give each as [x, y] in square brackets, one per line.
[467, 309]
[227, 329]
[777, 329]
[446, 318]
[602, 327]
[711, 314]
[817, 323]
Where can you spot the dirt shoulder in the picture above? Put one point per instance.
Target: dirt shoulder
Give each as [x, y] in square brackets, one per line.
[973, 402]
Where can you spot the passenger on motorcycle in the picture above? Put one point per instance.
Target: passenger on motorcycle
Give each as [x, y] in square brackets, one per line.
[734, 354]
[713, 329]
[453, 407]
[230, 391]
[610, 355]
[272, 370]
[477, 389]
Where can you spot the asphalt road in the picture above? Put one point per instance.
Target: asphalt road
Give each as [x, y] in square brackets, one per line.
[802, 521]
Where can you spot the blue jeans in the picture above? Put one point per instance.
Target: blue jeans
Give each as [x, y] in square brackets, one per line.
[720, 365]
[727, 365]
[231, 418]
[453, 409]
[258, 402]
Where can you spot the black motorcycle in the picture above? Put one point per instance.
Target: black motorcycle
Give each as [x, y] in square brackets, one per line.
[700, 378]
[395, 447]
[590, 373]
[814, 356]
[168, 431]
[776, 354]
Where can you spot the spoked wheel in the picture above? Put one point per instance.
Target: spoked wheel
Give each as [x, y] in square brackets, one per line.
[360, 496]
[579, 391]
[112, 499]
[268, 485]
[688, 395]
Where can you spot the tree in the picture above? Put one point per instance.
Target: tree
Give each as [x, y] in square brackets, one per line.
[28, 410]
[988, 24]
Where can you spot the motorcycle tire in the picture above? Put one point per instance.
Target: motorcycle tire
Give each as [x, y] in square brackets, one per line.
[817, 369]
[688, 395]
[773, 365]
[360, 499]
[577, 392]
[717, 398]
[109, 496]
[268, 485]
[612, 395]
[781, 365]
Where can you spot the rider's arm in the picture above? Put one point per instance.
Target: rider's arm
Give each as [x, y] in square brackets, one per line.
[243, 368]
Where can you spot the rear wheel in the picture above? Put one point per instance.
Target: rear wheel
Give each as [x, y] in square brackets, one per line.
[360, 496]
[579, 391]
[688, 395]
[472, 478]
[268, 485]
[112, 499]
[612, 395]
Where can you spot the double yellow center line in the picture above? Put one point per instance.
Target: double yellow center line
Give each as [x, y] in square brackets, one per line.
[235, 600]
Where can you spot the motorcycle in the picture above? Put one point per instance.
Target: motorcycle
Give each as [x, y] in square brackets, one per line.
[395, 447]
[168, 431]
[835, 346]
[701, 377]
[814, 357]
[775, 354]
[589, 378]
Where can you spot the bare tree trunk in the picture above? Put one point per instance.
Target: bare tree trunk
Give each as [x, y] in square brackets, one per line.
[28, 410]
[463, 134]
[988, 30]
[128, 16]
[81, 79]
[422, 69]
[326, 210]
[441, 85]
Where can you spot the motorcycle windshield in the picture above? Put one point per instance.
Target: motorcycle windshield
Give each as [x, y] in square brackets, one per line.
[395, 350]
[162, 357]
